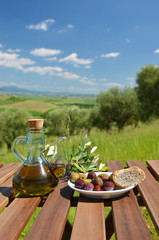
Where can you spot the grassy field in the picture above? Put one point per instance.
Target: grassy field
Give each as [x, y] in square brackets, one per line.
[140, 143]
[39, 105]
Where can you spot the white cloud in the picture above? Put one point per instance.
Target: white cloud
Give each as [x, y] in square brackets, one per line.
[103, 82]
[75, 89]
[130, 79]
[86, 81]
[70, 26]
[51, 59]
[44, 26]
[67, 28]
[43, 52]
[89, 82]
[1, 45]
[87, 66]
[13, 60]
[103, 79]
[112, 54]
[68, 75]
[14, 50]
[128, 40]
[53, 71]
[156, 51]
[42, 70]
[21, 85]
[73, 59]
[6, 84]
[110, 84]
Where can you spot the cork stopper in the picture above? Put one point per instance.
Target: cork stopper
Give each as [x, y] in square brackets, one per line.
[35, 123]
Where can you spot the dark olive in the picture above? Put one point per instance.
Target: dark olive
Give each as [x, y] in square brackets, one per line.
[89, 186]
[79, 184]
[97, 181]
[108, 186]
[91, 175]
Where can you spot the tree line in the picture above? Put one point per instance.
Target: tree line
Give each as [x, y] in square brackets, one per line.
[114, 108]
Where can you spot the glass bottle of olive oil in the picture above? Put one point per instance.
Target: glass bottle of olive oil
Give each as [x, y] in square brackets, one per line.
[57, 163]
[34, 177]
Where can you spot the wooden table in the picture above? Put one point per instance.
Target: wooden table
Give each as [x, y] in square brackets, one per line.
[124, 218]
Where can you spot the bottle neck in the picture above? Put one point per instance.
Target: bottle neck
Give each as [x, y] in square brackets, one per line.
[35, 145]
[36, 160]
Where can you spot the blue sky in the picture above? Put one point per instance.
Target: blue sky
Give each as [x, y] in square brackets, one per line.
[85, 46]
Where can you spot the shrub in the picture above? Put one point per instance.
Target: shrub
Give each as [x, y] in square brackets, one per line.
[78, 120]
[57, 122]
[68, 121]
[13, 125]
[119, 107]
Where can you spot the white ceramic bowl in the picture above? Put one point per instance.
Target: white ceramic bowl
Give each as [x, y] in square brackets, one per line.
[101, 194]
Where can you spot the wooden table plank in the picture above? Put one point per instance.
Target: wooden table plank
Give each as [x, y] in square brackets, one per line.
[149, 190]
[128, 220]
[16, 216]
[8, 170]
[51, 220]
[6, 192]
[89, 220]
[153, 166]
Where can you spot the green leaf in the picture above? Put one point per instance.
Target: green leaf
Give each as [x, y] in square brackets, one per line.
[74, 169]
[84, 140]
[79, 154]
[87, 149]
[92, 169]
[82, 167]
[66, 156]
[92, 166]
[78, 167]
[83, 157]
[103, 169]
[73, 151]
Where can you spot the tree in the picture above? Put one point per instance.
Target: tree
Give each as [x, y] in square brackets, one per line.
[117, 107]
[78, 120]
[13, 125]
[57, 122]
[148, 91]
[68, 121]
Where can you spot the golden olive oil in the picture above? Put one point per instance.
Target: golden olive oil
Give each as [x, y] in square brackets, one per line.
[34, 180]
[58, 169]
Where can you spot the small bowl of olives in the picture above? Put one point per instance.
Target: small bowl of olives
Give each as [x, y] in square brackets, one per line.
[96, 185]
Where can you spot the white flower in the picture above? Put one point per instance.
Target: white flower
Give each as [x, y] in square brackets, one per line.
[96, 159]
[93, 149]
[51, 151]
[87, 144]
[101, 165]
[47, 146]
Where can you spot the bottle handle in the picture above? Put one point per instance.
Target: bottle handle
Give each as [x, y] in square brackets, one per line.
[55, 157]
[16, 151]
